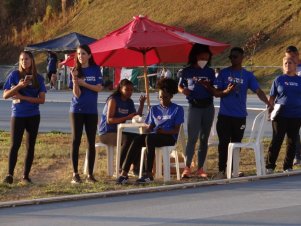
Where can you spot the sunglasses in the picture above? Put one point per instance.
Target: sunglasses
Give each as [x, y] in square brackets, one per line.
[233, 56]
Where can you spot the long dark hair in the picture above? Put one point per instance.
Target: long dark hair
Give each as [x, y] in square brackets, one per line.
[195, 51]
[32, 69]
[78, 65]
[122, 83]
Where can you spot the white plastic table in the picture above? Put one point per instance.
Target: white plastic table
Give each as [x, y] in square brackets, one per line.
[120, 128]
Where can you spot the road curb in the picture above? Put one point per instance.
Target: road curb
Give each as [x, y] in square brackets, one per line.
[144, 190]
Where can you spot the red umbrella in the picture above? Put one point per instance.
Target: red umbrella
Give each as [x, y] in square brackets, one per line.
[143, 42]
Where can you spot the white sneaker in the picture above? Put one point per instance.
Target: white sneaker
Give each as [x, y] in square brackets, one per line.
[288, 170]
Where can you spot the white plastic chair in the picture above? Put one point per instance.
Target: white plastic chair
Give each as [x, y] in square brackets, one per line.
[253, 143]
[165, 153]
[110, 158]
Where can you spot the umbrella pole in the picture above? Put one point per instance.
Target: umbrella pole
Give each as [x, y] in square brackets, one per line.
[146, 84]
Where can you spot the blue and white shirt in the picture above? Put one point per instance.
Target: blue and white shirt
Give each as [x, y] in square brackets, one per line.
[25, 108]
[165, 117]
[87, 101]
[189, 77]
[234, 104]
[123, 109]
[287, 90]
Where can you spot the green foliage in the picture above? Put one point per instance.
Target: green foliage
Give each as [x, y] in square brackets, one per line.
[38, 30]
[49, 13]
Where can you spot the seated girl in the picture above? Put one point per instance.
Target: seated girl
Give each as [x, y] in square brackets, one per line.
[163, 124]
[119, 108]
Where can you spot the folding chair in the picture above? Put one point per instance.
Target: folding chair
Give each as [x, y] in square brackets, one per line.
[253, 143]
[164, 154]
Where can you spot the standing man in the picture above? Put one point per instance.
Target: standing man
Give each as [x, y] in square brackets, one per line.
[51, 68]
[292, 51]
[232, 115]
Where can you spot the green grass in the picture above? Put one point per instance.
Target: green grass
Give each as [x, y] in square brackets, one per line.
[52, 170]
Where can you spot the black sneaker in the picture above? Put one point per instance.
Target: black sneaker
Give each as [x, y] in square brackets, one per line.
[91, 179]
[8, 179]
[122, 180]
[26, 180]
[145, 179]
[76, 179]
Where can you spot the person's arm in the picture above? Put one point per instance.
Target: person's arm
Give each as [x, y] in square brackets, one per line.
[175, 130]
[8, 93]
[141, 105]
[95, 88]
[217, 92]
[34, 100]
[111, 113]
[184, 90]
[261, 95]
[75, 89]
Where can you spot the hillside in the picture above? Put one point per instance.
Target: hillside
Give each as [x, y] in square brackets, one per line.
[269, 26]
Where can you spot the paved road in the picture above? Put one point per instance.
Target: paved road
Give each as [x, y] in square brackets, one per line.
[55, 116]
[269, 202]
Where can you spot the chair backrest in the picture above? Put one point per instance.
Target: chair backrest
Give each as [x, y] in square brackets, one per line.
[181, 142]
[213, 138]
[258, 127]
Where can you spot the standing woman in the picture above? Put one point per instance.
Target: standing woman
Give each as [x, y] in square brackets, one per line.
[86, 82]
[286, 91]
[201, 109]
[26, 87]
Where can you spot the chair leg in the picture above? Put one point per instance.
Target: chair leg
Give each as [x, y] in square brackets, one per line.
[110, 160]
[86, 163]
[259, 158]
[166, 164]
[177, 165]
[141, 161]
[263, 169]
[235, 161]
[158, 164]
[229, 162]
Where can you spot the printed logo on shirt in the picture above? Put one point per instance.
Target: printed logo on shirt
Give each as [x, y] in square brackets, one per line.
[235, 80]
[123, 111]
[90, 79]
[291, 84]
[165, 117]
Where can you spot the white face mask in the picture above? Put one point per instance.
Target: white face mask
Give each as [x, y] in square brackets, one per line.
[202, 63]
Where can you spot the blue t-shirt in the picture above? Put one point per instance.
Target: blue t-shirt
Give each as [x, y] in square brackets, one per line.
[87, 101]
[189, 77]
[287, 90]
[234, 104]
[52, 61]
[25, 108]
[123, 108]
[165, 118]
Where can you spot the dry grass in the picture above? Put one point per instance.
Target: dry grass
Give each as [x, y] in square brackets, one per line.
[234, 22]
[51, 171]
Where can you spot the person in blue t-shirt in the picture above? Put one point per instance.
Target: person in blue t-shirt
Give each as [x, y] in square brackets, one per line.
[232, 115]
[292, 51]
[163, 123]
[201, 109]
[286, 91]
[26, 87]
[86, 82]
[119, 108]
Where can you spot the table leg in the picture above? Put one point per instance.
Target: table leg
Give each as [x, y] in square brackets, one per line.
[118, 150]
